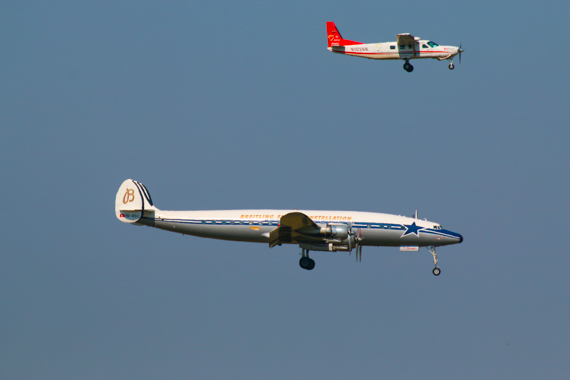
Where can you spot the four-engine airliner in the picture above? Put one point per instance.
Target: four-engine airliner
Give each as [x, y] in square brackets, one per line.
[312, 230]
[405, 47]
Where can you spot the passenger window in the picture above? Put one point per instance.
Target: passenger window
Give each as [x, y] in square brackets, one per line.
[425, 46]
[392, 47]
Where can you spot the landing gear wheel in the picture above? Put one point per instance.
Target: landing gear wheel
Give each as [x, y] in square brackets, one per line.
[436, 271]
[451, 66]
[311, 264]
[409, 68]
[307, 263]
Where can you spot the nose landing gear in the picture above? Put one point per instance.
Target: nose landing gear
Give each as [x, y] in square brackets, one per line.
[436, 271]
[451, 66]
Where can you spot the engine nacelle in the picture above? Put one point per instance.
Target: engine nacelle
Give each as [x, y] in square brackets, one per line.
[335, 231]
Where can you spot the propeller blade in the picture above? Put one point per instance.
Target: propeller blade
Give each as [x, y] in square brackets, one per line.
[359, 246]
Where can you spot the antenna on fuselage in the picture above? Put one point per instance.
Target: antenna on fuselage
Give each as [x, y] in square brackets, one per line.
[416, 215]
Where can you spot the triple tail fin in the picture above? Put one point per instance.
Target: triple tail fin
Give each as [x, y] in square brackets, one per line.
[132, 201]
[335, 38]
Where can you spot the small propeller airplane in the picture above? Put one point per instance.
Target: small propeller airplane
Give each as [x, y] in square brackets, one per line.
[405, 47]
[312, 230]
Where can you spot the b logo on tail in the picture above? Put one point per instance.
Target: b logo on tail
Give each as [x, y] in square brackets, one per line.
[129, 196]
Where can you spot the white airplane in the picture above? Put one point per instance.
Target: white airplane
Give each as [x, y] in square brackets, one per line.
[313, 230]
[405, 47]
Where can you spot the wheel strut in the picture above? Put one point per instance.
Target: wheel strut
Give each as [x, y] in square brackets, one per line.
[306, 262]
[436, 271]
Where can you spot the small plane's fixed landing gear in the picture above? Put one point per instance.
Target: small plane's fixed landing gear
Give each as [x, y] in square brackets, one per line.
[436, 271]
[306, 262]
[408, 67]
[451, 66]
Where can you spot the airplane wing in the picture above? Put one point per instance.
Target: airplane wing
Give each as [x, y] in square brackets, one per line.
[296, 228]
[407, 39]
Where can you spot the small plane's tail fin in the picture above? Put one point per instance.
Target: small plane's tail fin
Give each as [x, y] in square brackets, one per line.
[132, 200]
[333, 35]
[335, 38]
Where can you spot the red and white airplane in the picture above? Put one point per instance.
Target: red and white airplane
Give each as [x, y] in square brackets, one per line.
[405, 47]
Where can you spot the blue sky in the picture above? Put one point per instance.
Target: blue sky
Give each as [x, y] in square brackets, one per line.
[218, 105]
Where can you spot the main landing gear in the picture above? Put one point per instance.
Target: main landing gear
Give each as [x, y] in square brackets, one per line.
[408, 67]
[306, 262]
[436, 271]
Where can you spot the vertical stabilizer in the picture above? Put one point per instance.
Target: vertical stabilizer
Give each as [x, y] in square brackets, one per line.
[335, 39]
[333, 35]
[132, 200]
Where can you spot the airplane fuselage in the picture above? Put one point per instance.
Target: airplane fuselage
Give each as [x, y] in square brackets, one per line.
[376, 229]
[390, 50]
[312, 230]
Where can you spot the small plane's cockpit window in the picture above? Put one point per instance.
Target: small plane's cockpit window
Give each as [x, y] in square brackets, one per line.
[437, 227]
[432, 44]
[424, 46]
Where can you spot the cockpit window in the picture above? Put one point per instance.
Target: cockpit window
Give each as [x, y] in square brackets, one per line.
[424, 46]
[432, 44]
[437, 227]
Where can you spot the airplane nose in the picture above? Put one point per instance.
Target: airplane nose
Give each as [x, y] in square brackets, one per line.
[460, 238]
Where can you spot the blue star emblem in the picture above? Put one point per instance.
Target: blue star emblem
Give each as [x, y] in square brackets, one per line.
[412, 229]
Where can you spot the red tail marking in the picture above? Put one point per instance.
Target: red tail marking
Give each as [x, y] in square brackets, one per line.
[335, 38]
[333, 35]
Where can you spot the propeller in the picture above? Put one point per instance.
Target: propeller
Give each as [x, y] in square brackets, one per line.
[357, 240]
[460, 51]
[358, 245]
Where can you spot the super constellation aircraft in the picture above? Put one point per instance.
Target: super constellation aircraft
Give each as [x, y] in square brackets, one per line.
[405, 47]
[313, 230]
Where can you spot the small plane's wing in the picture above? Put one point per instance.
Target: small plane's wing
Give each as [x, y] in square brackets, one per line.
[405, 39]
[295, 227]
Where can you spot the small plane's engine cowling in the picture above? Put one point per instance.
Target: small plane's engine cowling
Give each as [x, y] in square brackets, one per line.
[335, 231]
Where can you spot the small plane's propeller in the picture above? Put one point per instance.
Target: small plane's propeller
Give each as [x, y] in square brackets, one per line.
[460, 51]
